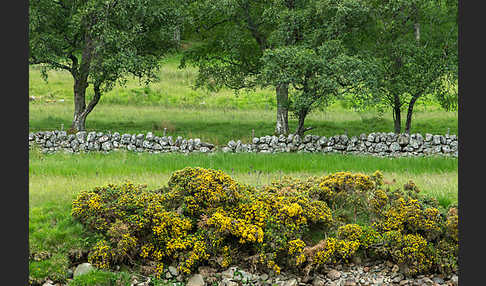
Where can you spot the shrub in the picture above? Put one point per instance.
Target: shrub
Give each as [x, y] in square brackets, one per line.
[205, 217]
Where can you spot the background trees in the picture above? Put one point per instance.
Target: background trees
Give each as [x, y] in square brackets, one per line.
[100, 42]
[414, 51]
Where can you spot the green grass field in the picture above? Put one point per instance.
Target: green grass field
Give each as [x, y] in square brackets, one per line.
[171, 103]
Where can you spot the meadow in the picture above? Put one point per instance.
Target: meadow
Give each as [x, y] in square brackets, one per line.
[171, 103]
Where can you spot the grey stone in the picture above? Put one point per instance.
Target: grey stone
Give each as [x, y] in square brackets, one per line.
[333, 274]
[371, 137]
[291, 282]
[403, 139]
[322, 141]
[82, 269]
[204, 149]
[318, 281]
[395, 147]
[81, 136]
[91, 136]
[428, 137]
[106, 146]
[232, 144]
[196, 280]
[307, 139]
[225, 149]
[146, 144]
[436, 139]
[438, 280]
[255, 140]
[173, 271]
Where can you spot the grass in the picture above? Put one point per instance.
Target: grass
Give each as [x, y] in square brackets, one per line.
[55, 177]
[171, 103]
[219, 126]
[217, 117]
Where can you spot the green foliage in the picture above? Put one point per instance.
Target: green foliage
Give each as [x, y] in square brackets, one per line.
[412, 46]
[205, 217]
[102, 278]
[100, 43]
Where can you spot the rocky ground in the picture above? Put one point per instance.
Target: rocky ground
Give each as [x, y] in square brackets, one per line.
[382, 273]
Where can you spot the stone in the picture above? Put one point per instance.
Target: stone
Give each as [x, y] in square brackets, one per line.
[82, 269]
[322, 141]
[81, 136]
[291, 282]
[225, 149]
[350, 282]
[48, 283]
[264, 277]
[318, 281]
[403, 140]
[438, 280]
[455, 280]
[173, 271]
[195, 280]
[106, 146]
[232, 144]
[334, 274]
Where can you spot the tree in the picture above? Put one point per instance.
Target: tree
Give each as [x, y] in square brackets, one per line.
[235, 34]
[242, 38]
[415, 52]
[100, 42]
[321, 63]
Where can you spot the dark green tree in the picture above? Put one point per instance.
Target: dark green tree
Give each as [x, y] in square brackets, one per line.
[414, 50]
[101, 42]
[322, 62]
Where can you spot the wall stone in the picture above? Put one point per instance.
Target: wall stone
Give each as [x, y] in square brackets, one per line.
[377, 144]
[53, 141]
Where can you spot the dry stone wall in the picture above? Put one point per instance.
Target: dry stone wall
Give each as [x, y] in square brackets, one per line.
[52, 141]
[378, 144]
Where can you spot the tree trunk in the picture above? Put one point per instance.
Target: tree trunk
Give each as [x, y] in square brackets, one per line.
[300, 127]
[79, 120]
[411, 104]
[282, 126]
[397, 119]
[80, 84]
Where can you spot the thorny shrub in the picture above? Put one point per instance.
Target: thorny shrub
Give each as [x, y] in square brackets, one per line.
[204, 217]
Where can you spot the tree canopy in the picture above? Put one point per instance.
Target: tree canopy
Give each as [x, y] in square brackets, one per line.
[100, 42]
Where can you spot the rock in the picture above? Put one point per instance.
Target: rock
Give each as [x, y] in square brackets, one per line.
[334, 274]
[48, 283]
[438, 280]
[350, 282]
[318, 281]
[455, 280]
[195, 280]
[403, 140]
[106, 146]
[404, 282]
[173, 271]
[291, 282]
[82, 269]
[264, 277]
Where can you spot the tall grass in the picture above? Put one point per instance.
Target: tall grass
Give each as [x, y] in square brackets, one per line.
[57, 177]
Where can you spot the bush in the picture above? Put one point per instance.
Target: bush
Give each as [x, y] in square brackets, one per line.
[204, 217]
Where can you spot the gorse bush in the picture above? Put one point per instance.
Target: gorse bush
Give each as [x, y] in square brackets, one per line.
[204, 217]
